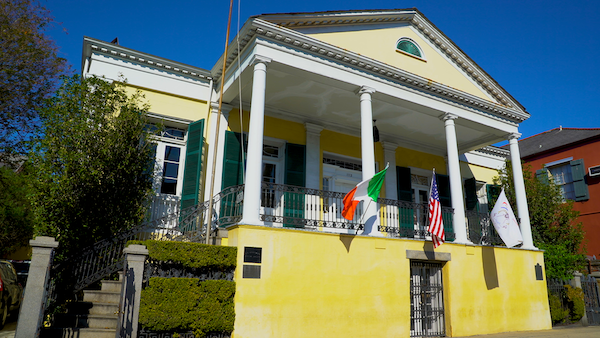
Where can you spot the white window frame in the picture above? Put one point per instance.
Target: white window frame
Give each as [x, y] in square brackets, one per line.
[406, 38]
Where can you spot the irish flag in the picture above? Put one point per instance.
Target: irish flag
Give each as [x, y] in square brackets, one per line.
[363, 191]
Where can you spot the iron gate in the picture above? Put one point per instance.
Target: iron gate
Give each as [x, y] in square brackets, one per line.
[426, 300]
[591, 294]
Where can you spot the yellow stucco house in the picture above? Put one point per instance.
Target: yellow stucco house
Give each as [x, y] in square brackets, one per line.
[313, 103]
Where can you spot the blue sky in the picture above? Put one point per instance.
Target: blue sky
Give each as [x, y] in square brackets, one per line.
[544, 53]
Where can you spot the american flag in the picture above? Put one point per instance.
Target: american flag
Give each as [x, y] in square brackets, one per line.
[436, 225]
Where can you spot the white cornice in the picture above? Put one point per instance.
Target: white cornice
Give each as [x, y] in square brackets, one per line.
[494, 151]
[91, 45]
[419, 21]
[298, 40]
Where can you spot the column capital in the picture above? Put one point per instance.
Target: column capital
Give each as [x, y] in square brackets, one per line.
[514, 136]
[448, 116]
[43, 242]
[389, 146]
[259, 59]
[313, 129]
[225, 108]
[364, 90]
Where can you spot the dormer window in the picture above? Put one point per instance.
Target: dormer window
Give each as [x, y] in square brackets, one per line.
[408, 46]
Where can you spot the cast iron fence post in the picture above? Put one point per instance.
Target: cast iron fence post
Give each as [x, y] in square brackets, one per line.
[31, 315]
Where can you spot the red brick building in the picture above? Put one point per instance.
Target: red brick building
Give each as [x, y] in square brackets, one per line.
[572, 157]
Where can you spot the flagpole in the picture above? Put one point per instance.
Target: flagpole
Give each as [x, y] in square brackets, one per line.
[361, 217]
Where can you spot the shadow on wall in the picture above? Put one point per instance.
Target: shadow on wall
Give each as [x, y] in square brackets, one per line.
[490, 271]
[347, 240]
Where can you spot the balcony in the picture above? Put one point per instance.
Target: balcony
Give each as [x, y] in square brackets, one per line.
[319, 210]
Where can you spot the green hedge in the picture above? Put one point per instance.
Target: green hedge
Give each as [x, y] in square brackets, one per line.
[188, 304]
[192, 255]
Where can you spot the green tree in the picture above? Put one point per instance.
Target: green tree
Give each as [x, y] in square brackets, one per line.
[29, 72]
[16, 215]
[554, 224]
[92, 163]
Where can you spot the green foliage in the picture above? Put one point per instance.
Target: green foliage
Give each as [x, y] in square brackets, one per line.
[559, 261]
[29, 72]
[92, 163]
[192, 255]
[187, 304]
[557, 312]
[576, 303]
[16, 215]
[554, 224]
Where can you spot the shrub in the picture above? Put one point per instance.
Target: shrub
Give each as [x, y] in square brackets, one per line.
[576, 303]
[188, 304]
[181, 305]
[191, 255]
[557, 312]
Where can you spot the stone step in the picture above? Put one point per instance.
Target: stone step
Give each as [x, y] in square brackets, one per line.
[112, 285]
[100, 296]
[78, 332]
[86, 321]
[82, 308]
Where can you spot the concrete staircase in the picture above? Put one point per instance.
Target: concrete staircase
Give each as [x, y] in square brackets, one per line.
[94, 317]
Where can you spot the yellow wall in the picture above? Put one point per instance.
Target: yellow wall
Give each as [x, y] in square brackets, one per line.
[416, 159]
[380, 44]
[328, 285]
[292, 132]
[171, 105]
[480, 173]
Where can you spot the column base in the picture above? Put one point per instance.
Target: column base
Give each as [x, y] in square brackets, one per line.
[247, 221]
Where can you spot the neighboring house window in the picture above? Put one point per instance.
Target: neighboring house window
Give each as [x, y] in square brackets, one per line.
[561, 174]
[408, 46]
[569, 176]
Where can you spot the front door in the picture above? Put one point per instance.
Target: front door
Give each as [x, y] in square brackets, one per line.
[426, 300]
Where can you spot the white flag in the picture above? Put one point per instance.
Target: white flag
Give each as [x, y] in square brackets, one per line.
[505, 222]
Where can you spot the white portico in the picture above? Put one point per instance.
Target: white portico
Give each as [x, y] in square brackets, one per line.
[291, 74]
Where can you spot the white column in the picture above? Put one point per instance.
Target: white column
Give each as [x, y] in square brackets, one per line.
[370, 218]
[458, 203]
[313, 155]
[389, 156]
[213, 133]
[522, 208]
[253, 180]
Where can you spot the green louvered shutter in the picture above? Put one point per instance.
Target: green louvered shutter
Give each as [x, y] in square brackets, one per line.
[581, 188]
[542, 175]
[493, 192]
[406, 215]
[233, 173]
[471, 194]
[295, 174]
[443, 182]
[193, 164]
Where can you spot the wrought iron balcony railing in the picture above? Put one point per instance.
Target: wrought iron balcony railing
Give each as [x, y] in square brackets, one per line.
[299, 207]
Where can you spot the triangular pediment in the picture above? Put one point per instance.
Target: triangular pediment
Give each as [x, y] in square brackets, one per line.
[375, 34]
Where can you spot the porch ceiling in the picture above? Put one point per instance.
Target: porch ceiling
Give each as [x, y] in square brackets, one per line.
[308, 97]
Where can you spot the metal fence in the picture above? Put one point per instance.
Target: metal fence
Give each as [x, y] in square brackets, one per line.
[106, 257]
[281, 206]
[591, 295]
[320, 210]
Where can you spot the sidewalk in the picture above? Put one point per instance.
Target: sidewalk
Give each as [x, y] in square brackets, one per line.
[571, 331]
